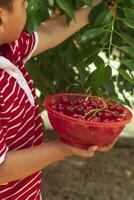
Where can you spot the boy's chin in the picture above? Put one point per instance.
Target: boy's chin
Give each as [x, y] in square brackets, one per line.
[13, 38]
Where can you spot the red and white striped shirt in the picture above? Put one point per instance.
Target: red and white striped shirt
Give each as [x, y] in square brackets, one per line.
[20, 121]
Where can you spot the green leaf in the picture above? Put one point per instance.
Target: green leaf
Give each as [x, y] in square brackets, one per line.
[132, 1]
[107, 83]
[129, 22]
[126, 76]
[87, 2]
[128, 63]
[118, 100]
[128, 50]
[64, 5]
[103, 18]
[90, 34]
[96, 78]
[128, 39]
[129, 12]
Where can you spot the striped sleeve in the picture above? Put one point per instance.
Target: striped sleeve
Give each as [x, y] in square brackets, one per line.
[27, 44]
[3, 146]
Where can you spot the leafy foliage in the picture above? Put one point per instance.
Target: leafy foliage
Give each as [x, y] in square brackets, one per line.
[77, 64]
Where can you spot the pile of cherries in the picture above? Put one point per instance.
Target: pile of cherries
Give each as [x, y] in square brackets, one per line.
[92, 108]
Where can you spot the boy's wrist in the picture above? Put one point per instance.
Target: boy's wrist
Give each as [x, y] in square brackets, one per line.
[63, 148]
[96, 2]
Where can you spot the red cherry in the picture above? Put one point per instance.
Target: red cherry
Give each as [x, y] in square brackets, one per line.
[106, 115]
[79, 110]
[100, 105]
[80, 101]
[54, 106]
[106, 120]
[119, 119]
[64, 100]
[77, 116]
[94, 104]
[95, 119]
[119, 109]
[68, 110]
[111, 107]
[85, 103]
[60, 107]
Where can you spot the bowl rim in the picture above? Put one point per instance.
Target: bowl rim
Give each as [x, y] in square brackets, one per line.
[80, 121]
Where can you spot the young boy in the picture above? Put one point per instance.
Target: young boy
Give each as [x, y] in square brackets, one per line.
[22, 151]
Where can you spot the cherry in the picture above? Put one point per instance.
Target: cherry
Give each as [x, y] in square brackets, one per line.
[77, 116]
[68, 110]
[60, 107]
[119, 119]
[100, 105]
[93, 109]
[54, 106]
[64, 100]
[106, 115]
[79, 109]
[119, 109]
[95, 119]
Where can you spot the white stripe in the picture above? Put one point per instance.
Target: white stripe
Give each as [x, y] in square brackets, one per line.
[2, 158]
[3, 90]
[9, 188]
[27, 46]
[22, 187]
[13, 90]
[4, 118]
[17, 115]
[37, 194]
[4, 147]
[26, 74]
[35, 46]
[41, 197]
[23, 144]
[40, 136]
[2, 137]
[30, 81]
[38, 126]
[26, 112]
[19, 104]
[16, 125]
[28, 190]
[22, 136]
[18, 59]
[2, 77]
[32, 194]
[38, 116]
[26, 123]
[9, 108]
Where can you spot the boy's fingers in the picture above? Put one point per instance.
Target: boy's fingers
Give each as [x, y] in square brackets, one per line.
[91, 151]
[108, 147]
[86, 153]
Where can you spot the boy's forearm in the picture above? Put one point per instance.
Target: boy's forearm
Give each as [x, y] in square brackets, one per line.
[55, 30]
[62, 31]
[22, 163]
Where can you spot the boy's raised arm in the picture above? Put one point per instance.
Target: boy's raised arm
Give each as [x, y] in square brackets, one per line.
[55, 30]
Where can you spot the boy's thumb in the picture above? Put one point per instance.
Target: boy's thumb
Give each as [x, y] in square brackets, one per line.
[93, 148]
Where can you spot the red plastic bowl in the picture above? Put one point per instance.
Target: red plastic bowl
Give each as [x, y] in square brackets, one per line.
[81, 133]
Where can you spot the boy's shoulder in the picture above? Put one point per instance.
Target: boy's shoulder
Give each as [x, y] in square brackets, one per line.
[20, 49]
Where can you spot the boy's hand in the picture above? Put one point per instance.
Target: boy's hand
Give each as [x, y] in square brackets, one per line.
[108, 147]
[96, 2]
[90, 152]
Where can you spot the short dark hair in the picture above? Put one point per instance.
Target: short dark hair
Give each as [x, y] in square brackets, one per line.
[7, 4]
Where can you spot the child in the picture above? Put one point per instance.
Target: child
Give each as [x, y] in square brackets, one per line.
[22, 151]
